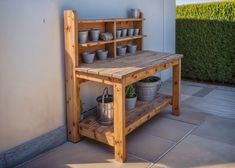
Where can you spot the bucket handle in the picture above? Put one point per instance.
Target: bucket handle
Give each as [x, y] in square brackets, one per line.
[105, 93]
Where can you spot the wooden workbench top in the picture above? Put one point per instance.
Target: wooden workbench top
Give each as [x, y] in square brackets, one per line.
[124, 66]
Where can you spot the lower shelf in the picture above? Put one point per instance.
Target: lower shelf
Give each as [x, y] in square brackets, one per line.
[143, 112]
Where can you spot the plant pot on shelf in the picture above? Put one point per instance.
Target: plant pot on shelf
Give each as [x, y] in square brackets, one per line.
[130, 32]
[88, 57]
[147, 88]
[121, 50]
[102, 54]
[131, 48]
[94, 35]
[82, 36]
[124, 32]
[131, 97]
[118, 33]
[136, 32]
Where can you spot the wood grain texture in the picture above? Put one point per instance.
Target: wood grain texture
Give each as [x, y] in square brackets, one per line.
[72, 87]
[176, 88]
[144, 111]
[119, 122]
[128, 65]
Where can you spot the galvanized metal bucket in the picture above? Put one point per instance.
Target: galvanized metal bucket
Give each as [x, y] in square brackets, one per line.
[105, 108]
[148, 90]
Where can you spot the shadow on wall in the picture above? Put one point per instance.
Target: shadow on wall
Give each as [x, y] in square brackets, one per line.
[208, 48]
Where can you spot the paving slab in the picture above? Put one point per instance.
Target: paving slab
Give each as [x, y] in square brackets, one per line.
[188, 114]
[165, 128]
[217, 102]
[195, 151]
[84, 154]
[185, 89]
[217, 128]
[146, 146]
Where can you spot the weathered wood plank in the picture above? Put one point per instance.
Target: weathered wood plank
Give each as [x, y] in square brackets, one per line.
[148, 72]
[146, 65]
[133, 61]
[96, 78]
[72, 85]
[126, 66]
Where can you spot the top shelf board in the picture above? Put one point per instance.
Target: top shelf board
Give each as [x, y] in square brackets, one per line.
[112, 20]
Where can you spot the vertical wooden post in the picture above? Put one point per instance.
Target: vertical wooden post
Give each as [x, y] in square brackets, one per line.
[72, 85]
[176, 88]
[119, 122]
[142, 30]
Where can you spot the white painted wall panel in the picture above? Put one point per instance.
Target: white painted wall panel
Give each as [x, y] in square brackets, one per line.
[32, 92]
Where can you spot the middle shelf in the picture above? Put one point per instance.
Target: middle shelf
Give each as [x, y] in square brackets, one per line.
[144, 111]
[88, 44]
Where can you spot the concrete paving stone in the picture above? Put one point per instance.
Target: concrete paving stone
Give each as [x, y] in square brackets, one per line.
[146, 146]
[84, 154]
[185, 89]
[217, 105]
[187, 114]
[203, 92]
[165, 128]
[195, 151]
[217, 128]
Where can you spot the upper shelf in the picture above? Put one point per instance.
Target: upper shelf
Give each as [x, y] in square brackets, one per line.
[88, 44]
[112, 20]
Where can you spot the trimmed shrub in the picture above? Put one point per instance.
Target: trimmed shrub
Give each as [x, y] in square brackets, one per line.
[205, 34]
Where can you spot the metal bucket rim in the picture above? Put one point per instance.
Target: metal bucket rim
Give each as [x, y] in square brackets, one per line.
[110, 99]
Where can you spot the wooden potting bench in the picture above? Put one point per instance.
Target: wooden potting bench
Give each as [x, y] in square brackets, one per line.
[117, 72]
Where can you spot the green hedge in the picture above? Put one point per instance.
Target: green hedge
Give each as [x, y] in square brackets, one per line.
[205, 34]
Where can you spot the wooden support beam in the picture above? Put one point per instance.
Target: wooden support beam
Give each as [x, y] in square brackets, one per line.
[119, 122]
[176, 88]
[72, 86]
[150, 71]
[97, 78]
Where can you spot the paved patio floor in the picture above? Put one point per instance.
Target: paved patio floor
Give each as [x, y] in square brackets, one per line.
[203, 136]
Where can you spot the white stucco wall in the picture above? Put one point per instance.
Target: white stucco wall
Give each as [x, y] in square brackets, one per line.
[32, 91]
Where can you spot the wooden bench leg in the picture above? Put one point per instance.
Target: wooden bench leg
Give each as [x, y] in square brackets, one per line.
[176, 89]
[119, 122]
[72, 85]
